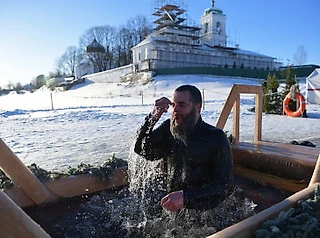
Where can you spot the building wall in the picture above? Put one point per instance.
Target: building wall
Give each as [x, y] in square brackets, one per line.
[110, 76]
[210, 33]
[206, 58]
[140, 55]
[83, 69]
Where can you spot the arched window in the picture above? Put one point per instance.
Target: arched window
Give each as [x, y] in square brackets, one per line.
[218, 26]
[206, 27]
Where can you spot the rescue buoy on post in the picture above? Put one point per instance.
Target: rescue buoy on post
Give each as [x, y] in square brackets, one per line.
[299, 111]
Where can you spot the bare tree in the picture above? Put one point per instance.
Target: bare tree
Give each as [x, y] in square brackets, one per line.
[57, 73]
[124, 42]
[132, 33]
[105, 37]
[67, 62]
[10, 85]
[18, 86]
[300, 57]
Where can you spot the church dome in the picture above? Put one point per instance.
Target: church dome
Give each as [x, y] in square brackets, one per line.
[212, 9]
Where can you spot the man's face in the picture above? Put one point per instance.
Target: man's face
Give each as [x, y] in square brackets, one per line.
[182, 107]
[184, 115]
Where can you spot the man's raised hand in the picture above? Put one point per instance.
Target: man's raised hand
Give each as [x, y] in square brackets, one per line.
[161, 106]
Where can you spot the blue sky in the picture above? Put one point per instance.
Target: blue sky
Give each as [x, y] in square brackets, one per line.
[35, 33]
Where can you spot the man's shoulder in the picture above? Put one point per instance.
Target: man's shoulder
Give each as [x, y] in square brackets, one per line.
[213, 134]
[165, 124]
[210, 129]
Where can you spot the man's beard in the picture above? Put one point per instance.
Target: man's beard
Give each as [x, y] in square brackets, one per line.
[183, 130]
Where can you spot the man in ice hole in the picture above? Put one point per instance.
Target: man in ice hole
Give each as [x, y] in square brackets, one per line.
[197, 156]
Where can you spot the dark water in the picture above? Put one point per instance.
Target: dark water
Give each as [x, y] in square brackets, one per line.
[135, 211]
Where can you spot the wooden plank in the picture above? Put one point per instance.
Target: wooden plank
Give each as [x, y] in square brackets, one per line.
[227, 108]
[275, 181]
[301, 156]
[14, 222]
[283, 160]
[308, 154]
[13, 167]
[240, 154]
[248, 89]
[248, 227]
[232, 101]
[316, 173]
[289, 146]
[72, 186]
[20, 198]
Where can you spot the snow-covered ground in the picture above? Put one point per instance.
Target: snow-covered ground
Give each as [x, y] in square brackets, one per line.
[92, 121]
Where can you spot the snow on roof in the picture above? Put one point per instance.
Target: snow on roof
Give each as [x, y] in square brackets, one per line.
[149, 39]
[248, 52]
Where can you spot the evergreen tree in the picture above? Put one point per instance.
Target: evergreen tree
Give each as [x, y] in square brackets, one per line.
[288, 75]
[272, 103]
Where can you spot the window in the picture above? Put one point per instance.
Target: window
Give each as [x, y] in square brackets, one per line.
[218, 27]
[146, 53]
[206, 27]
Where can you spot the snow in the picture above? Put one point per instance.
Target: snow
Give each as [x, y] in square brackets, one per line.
[92, 121]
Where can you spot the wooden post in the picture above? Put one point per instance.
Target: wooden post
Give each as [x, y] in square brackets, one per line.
[203, 107]
[14, 222]
[236, 120]
[22, 176]
[316, 173]
[142, 97]
[228, 105]
[234, 98]
[258, 116]
[51, 101]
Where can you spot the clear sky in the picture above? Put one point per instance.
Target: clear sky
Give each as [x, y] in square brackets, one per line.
[35, 33]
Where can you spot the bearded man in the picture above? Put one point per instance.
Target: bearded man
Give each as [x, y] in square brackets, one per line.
[197, 156]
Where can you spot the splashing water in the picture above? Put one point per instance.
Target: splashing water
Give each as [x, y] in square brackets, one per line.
[135, 211]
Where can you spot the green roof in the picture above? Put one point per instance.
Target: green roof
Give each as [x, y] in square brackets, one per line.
[214, 10]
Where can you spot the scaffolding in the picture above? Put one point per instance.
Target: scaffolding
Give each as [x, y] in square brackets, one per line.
[182, 4]
[177, 44]
[170, 21]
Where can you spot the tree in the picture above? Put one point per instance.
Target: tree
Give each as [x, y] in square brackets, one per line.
[105, 36]
[67, 62]
[132, 33]
[272, 102]
[300, 57]
[290, 80]
[39, 81]
[10, 85]
[18, 87]
[57, 73]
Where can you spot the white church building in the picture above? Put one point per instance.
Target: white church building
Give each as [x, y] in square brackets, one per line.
[174, 44]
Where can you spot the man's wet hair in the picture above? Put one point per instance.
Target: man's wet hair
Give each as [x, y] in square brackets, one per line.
[194, 92]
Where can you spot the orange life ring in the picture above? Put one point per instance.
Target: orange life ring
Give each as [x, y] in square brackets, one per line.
[301, 108]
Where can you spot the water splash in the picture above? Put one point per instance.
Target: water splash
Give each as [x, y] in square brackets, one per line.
[135, 211]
